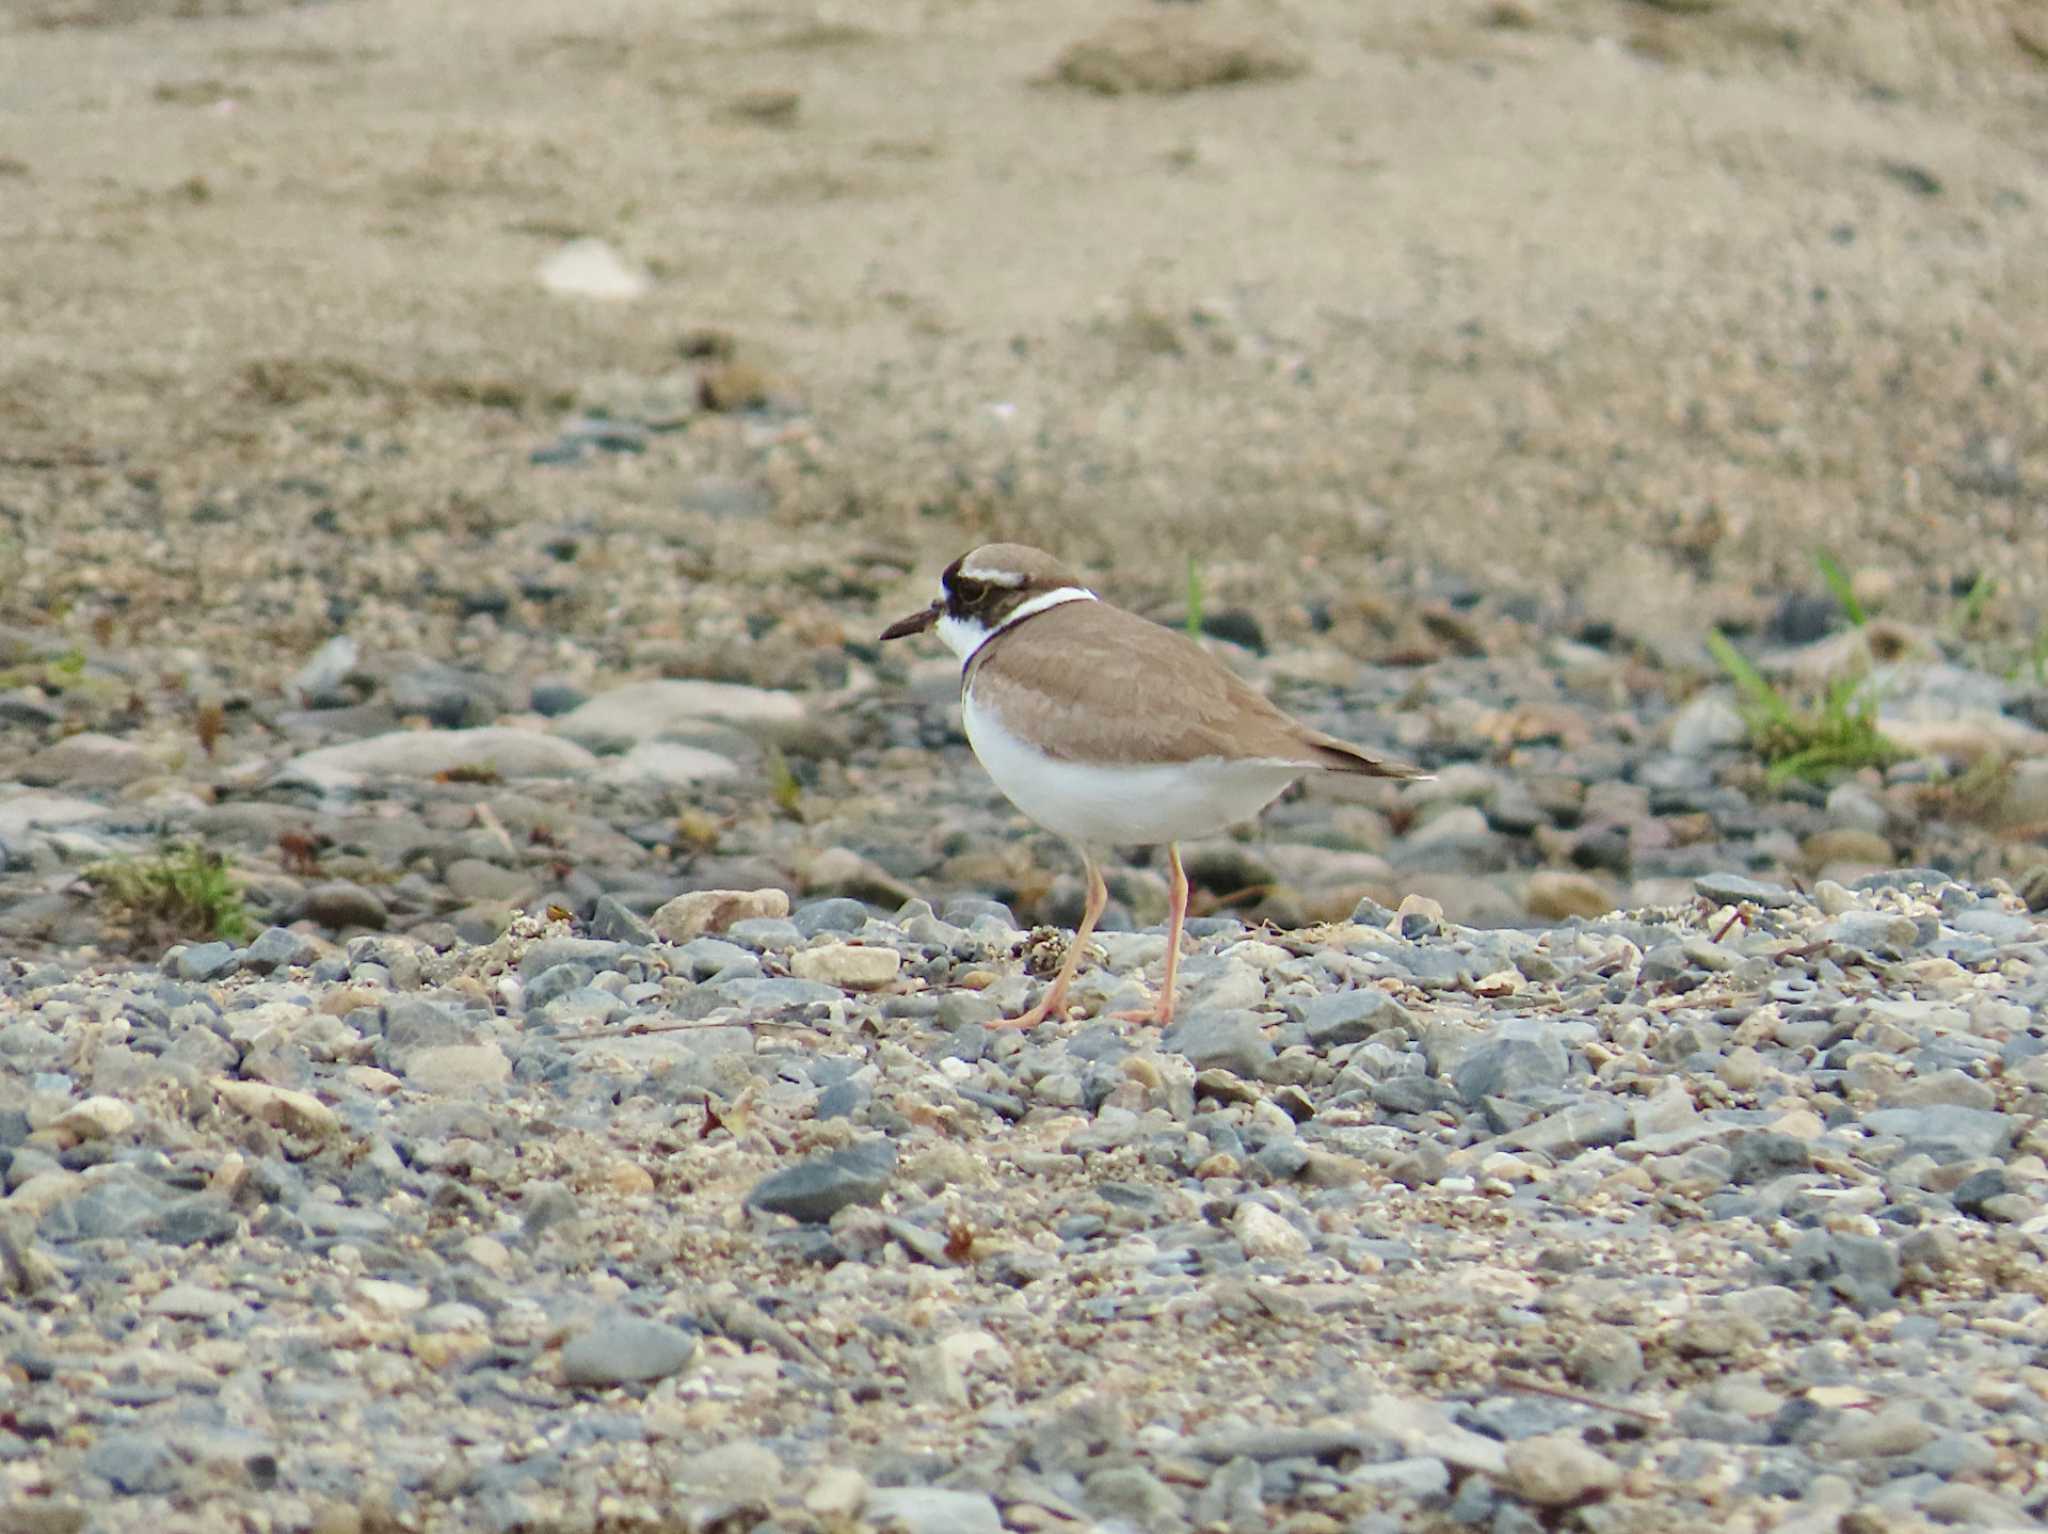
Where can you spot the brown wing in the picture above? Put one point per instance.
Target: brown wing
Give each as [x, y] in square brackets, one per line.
[1109, 686]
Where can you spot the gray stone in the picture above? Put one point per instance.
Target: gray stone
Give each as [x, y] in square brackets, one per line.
[451, 697]
[114, 1208]
[1567, 1132]
[597, 955]
[669, 764]
[555, 982]
[88, 761]
[421, 755]
[1350, 1017]
[1511, 1064]
[1606, 1358]
[615, 923]
[1946, 1133]
[624, 1350]
[201, 1220]
[1898, 1428]
[1559, 1470]
[1864, 1270]
[1134, 1494]
[202, 963]
[276, 948]
[1412, 1094]
[136, 1464]
[1709, 723]
[1766, 1154]
[836, 915]
[967, 1009]
[670, 709]
[339, 903]
[1230, 1041]
[816, 1189]
[1879, 932]
[968, 910]
[1735, 889]
[765, 934]
[931, 1510]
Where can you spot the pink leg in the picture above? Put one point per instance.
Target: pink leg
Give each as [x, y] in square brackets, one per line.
[1161, 1012]
[1054, 1002]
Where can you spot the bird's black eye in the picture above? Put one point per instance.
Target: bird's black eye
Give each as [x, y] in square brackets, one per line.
[967, 589]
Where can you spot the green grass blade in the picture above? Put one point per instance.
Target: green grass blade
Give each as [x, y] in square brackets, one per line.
[1838, 584]
[1763, 697]
[1194, 618]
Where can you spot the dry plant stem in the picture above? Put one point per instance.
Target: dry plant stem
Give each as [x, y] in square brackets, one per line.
[1530, 1385]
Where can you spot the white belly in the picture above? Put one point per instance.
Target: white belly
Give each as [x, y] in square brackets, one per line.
[1135, 806]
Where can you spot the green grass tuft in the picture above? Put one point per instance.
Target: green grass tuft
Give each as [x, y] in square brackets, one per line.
[181, 893]
[1836, 736]
[1838, 584]
[1194, 618]
[783, 784]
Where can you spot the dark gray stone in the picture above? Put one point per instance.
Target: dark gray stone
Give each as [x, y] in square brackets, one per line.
[615, 923]
[1511, 1065]
[339, 904]
[1350, 1017]
[136, 1464]
[554, 983]
[413, 1021]
[1765, 1155]
[1863, 1270]
[274, 949]
[1411, 1094]
[551, 700]
[836, 915]
[966, 910]
[201, 1220]
[205, 962]
[114, 1208]
[1569, 1131]
[841, 1100]
[816, 1189]
[1945, 1132]
[1229, 1041]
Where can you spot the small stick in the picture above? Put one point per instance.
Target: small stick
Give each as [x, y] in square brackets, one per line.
[638, 1030]
[1737, 917]
[1528, 1384]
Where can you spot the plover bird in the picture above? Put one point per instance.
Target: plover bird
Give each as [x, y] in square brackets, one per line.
[1110, 730]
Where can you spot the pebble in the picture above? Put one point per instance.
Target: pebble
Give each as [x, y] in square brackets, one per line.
[498, 752]
[931, 1510]
[642, 712]
[97, 1118]
[625, 1350]
[341, 905]
[1559, 1470]
[712, 911]
[854, 968]
[1264, 1234]
[816, 1189]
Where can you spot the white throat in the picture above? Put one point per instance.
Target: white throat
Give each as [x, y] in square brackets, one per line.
[963, 636]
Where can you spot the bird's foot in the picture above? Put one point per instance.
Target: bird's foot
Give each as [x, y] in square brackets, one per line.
[1159, 1014]
[1053, 1008]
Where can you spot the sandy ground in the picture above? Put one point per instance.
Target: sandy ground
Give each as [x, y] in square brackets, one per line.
[1617, 306]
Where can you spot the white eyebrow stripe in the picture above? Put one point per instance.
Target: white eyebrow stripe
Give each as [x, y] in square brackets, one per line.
[1040, 603]
[993, 577]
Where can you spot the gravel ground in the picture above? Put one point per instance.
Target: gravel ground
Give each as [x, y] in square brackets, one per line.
[1729, 1213]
